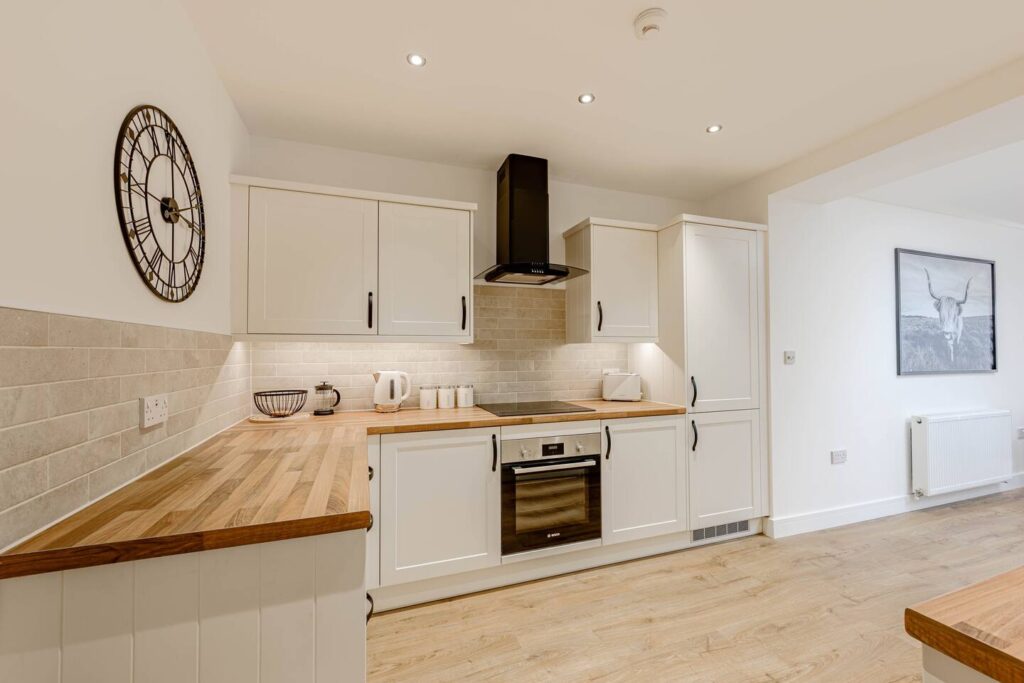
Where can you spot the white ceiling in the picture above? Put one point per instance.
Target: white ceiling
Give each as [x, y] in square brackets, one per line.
[784, 77]
[987, 186]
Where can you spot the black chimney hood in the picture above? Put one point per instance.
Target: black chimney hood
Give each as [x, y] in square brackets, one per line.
[522, 226]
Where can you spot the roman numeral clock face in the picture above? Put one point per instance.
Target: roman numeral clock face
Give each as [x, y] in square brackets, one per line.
[159, 203]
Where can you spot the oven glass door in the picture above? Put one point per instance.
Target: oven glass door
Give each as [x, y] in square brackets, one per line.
[549, 503]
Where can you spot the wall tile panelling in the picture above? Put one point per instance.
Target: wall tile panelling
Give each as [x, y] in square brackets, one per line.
[519, 354]
[69, 415]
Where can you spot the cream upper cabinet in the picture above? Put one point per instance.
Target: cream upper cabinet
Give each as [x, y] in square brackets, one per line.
[440, 503]
[312, 263]
[725, 467]
[643, 478]
[425, 278]
[722, 275]
[618, 299]
[315, 261]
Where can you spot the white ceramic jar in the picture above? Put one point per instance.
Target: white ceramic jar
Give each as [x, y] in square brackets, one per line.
[446, 396]
[428, 397]
[464, 396]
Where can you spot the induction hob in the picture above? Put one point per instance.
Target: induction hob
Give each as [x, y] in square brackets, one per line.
[533, 408]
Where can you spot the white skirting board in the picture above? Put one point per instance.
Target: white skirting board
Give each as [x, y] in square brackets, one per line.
[940, 668]
[282, 612]
[417, 592]
[790, 525]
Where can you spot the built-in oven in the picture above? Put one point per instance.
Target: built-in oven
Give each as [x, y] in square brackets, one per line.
[550, 491]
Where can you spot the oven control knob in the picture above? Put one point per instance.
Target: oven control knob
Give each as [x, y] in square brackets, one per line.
[579, 447]
[524, 451]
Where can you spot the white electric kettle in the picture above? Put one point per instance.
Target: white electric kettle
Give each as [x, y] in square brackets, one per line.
[388, 393]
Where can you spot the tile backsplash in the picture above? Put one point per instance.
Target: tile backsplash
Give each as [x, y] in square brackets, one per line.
[69, 415]
[519, 354]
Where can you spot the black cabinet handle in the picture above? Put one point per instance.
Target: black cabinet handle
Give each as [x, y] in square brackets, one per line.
[693, 382]
[494, 452]
[600, 316]
[369, 598]
[696, 434]
[608, 438]
[371, 472]
[369, 311]
[463, 312]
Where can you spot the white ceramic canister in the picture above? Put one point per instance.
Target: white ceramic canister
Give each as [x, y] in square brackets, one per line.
[428, 397]
[464, 396]
[446, 396]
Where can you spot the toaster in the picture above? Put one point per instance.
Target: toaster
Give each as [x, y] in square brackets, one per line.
[621, 386]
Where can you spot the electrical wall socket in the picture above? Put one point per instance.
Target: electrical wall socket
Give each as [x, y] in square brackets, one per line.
[152, 410]
[789, 357]
[1020, 432]
[838, 457]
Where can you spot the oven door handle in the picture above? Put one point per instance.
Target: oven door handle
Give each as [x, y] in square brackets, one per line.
[554, 468]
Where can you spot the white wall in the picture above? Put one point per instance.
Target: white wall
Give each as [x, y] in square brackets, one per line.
[832, 300]
[570, 203]
[71, 71]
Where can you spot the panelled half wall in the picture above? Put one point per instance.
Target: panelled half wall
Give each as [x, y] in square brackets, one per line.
[69, 409]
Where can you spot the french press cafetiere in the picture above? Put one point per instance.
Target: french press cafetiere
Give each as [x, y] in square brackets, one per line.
[326, 399]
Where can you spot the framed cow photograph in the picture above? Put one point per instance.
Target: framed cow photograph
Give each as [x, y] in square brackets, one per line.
[945, 313]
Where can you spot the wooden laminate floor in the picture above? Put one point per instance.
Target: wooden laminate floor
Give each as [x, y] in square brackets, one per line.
[826, 606]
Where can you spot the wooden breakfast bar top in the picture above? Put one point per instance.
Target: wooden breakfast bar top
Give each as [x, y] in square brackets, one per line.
[980, 626]
[256, 483]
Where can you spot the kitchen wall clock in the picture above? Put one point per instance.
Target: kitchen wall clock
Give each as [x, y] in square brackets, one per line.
[159, 203]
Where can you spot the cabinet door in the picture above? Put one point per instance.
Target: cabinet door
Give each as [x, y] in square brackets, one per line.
[424, 270]
[722, 272]
[624, 282]
[373, 535]
[643, 473]
[312, 263]
[440, 503]
[725, 467]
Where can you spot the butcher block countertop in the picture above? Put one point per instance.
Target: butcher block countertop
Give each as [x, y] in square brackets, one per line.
[981, 626]
[255, 483]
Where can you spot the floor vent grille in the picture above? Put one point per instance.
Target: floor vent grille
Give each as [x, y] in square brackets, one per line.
[720, 530]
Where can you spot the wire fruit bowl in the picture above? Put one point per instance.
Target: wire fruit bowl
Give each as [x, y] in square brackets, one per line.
[280, 403]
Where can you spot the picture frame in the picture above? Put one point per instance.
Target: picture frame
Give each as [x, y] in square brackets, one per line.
[945, 314]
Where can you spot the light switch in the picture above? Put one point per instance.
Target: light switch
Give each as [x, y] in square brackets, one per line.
[838, 457]
[789, 357]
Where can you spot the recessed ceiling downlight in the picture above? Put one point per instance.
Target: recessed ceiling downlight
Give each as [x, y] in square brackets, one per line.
[416, 59]
[586, 98]
[714, 128]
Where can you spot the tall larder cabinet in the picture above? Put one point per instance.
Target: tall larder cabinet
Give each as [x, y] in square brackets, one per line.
[710, 357]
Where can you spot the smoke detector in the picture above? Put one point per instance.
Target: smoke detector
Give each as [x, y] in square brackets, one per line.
[648, 24]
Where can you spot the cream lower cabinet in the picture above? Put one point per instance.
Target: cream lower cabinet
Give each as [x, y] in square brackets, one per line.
[373, 533]
[643, 478]
[725, 467]
[440, 503]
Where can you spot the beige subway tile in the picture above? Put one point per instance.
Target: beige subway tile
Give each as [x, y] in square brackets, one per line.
[134, 336]
[67, 330]
[79, 460]
[135, 439]
[39, 365]
[35, 513]
[134, 387]
[23, 404]
[118, 473]
[29, 441]
[180, 339]
[23, 328]
[83, 394]
[22, 482]
[113, 419]
[179, 422]
[158, 360]
[110, 362]
[160, 453]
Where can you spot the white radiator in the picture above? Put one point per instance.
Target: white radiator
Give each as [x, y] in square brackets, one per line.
[954, 451]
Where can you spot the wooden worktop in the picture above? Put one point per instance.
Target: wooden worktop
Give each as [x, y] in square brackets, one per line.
[255, 483]
[981, 626]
